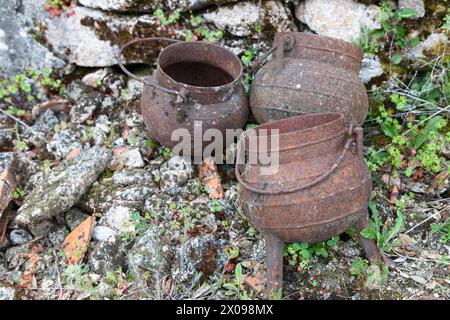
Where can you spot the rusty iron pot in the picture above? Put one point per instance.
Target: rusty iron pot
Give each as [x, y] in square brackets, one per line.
[321, 189]
[308, 74]
[193, 81]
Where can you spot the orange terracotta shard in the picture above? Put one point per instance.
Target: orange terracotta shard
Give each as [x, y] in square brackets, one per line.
[77, 242]
[210, 177]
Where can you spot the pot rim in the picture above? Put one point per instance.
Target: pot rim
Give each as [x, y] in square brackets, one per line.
[178, 84]
[338, 117]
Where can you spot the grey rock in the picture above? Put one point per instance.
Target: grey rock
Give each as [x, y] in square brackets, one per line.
[240, 19]
[57, 237]
[196, 255]
[174, 174]
[421, 50]
[150, 255]
[124, 5]
[320, 16]
[133, 158]
[41, 229]
[186, 5]
[45, 122]
[64, 186]
[6, 160]
[100, 132]
[350, 249]
[417, 5]
[105, 80]
[64, 141]
[102, 233]
[105, 194]
[18, 48]
[129, 177]
[7, 293]
[85, 107]
[133, 91]
[109, 255]
[119, 219]
[16, 255]
[92, 38]
[370, 68]
[19, 236]
[74, 217]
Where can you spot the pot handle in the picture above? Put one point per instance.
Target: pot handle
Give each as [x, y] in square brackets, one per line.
[359, 138]
[179, 94]
[287, 42]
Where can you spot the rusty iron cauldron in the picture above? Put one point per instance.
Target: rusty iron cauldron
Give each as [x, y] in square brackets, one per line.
[308, 74]
[193, 81]
[321, 189]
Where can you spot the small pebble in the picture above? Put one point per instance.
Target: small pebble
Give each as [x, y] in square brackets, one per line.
[19, 236]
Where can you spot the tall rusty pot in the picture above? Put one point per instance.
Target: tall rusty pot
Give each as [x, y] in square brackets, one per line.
[195, 84]
[321, 188]
[308, 74]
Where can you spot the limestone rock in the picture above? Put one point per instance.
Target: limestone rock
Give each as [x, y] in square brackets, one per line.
[18, 49]
[174, 174]
[370, 68]
[123, 5]
[341, 19]
[92, 38]
[63, 187]
[240, 19]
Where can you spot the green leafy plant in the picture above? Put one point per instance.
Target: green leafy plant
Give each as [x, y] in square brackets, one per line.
[359, 267]
[384, 236]
[446, 25]
[165, 21]
[24, 89]
[216, 206]
[368, 41]
[236, 286]
[18, 194]
[391, 29]
[166, 153]
[301, 254]
[247, 57]
[443, 230]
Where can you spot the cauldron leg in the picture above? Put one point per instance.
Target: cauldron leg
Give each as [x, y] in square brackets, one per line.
[369, 246]
[274, 250]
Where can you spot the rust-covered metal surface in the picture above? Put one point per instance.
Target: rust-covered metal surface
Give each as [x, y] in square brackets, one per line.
[207, 80]
[321, 189]
[307, 74]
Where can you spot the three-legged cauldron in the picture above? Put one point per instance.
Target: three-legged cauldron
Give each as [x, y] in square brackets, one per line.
[321, 188]
[195, 84]
[309, 74]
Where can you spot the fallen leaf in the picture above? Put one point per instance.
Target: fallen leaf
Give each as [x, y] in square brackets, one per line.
[72, 154]
[394, 194]
[27, 280]
[229, 267]
[55, 105]
[431, 255]
[77, 242]
[256, 282]
[166, 284]
[405, 239]
[210, 177]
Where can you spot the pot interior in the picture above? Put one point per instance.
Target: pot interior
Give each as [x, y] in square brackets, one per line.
[198, 74]
[200, 64]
